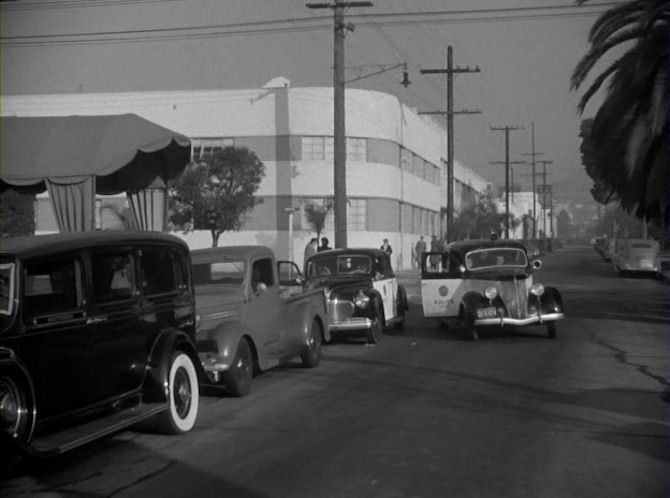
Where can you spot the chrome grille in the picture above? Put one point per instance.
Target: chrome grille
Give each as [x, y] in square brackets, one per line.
[514, 295]
[339, 311]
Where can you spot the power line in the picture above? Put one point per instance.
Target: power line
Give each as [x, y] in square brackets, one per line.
[295, 25]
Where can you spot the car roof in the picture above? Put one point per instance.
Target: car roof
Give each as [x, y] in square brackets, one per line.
[351, 251]
[36, 245]
[234, 253]
[465, 246]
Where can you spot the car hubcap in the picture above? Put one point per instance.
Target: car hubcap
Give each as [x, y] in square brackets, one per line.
[10, 412]
[182, 392]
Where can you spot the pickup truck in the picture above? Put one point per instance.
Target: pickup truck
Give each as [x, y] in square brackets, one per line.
[250, 319]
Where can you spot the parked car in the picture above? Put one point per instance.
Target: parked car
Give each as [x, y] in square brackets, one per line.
[477, 283]
[96, 334]
[608, 248]
[363, 293]
[249, 319]
[635, 256]
[663, 265]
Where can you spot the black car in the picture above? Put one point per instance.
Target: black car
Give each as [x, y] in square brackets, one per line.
[363, 293]
[477, 283]
[96, 334]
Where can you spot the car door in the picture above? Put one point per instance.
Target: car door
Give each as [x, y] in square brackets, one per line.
[386, 284]
[290, 278]
[442, 285]
[55, 342]
[264, 305]
[117, 332]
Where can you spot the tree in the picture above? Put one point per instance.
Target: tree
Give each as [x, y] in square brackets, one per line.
[215, 194]
[628, 135]
[17, 213]
[479, 219]
[315, 215]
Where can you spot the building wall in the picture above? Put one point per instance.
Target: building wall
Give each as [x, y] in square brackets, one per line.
[399, 179]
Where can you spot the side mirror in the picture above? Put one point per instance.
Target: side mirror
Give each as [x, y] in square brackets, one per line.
[537, 264]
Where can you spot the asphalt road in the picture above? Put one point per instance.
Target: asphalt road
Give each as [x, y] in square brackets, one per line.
[425, 414]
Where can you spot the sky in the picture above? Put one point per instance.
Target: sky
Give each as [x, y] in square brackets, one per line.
[525, 59]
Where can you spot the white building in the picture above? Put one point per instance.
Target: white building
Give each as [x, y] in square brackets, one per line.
[396, 181]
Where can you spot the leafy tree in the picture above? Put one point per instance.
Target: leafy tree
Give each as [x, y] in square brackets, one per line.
[628, 136]
[315, 215]
[480, 219]
[17, 213]
[216, 193]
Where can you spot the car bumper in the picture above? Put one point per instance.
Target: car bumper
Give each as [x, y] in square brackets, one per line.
[531, 320]
[354, 323]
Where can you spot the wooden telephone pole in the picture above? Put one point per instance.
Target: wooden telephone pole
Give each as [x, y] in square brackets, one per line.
[450, 113]
[507, 129]
[339, 132]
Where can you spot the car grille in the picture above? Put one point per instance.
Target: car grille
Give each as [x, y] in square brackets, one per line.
[515, 297]
[338, 310]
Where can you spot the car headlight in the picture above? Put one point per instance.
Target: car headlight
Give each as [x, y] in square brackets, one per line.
[537, 290]
[361, 300]
[491, 293]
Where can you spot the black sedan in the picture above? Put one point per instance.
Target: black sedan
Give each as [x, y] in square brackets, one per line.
[363, 293]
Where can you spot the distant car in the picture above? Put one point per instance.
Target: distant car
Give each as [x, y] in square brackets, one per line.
[635, 256]
[607, 249]
[364, 295]
[253, 314]
[663, 265]
[476, 283]
[97, 333]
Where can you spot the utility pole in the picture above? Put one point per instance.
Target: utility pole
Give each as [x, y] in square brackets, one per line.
[507, 129]
[450, 71]
[533, 154]
[544, 195]
[339, 131]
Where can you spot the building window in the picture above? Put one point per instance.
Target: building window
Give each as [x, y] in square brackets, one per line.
[417, 167]
[406, 160]
[357, 210]
[312, 148]
[202, 148]
[357, 149]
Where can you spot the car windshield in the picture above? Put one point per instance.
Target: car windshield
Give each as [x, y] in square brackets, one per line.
[498, 257]
[219, 273]
[339, 265]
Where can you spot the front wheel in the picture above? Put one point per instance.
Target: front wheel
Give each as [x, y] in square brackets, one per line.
[183, 396]
[466, 323]
[376, 330]
[551, 330]
[312, 356]
[237, 378]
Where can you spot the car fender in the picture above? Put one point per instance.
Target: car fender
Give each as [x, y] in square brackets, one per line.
[402, 304]
[225, 338]
[471, 302]
[301, 316]
[156, 379]
[551, 301]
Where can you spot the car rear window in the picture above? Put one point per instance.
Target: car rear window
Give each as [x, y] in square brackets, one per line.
[227, 272]
[641, 246]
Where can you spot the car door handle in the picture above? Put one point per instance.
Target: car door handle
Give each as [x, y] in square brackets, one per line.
[96, 320]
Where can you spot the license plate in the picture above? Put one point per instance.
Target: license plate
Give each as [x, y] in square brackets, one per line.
[486, 313]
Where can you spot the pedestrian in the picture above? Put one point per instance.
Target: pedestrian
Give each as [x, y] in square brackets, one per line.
[311, 248]
[419, 249]
[435, 246]
[324, 245]
[386, 247]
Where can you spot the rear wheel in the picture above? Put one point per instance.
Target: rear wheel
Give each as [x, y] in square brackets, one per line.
[551, 330]
[312, 356]
[183, 396]
[237, 378]
[16, 417]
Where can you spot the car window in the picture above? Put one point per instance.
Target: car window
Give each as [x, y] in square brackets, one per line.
[288, 271]
[157, 271]
[51, 287]
[438, 263]
[112, 276]
[226, 272]
[7, 288]
[262, 271]
[495, 257]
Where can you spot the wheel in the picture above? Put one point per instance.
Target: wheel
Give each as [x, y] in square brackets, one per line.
[237, 378]
[312, 356]
[402, 312]
[466, 323]
[183, 396]
[551, 330]
[375, 332]
[16, 417]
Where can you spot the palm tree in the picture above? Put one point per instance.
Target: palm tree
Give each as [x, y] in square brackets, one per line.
[630, 129]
